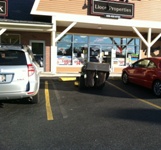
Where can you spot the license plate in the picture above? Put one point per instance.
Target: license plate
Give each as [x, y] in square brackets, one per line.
[2, 78]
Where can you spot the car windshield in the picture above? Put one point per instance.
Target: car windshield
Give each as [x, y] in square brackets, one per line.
[12, 57]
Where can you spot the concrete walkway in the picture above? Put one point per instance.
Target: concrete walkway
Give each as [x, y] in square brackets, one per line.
[49, 74]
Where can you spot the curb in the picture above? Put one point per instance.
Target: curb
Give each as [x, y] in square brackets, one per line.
[72, 77]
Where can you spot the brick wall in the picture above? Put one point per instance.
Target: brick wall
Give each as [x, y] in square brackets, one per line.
[26, 37]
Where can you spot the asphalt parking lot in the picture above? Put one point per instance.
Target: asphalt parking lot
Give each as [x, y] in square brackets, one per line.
[118, 117]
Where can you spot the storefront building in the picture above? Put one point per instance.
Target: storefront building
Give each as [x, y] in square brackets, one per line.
[17, 26]
[73, 32]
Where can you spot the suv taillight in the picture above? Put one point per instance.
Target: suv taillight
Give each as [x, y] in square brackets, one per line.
[31, 69]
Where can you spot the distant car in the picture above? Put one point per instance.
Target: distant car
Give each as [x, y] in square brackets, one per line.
[145, 72]
[19, 74]
[39, 59]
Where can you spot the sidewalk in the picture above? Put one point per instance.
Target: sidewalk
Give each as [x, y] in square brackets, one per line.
[59, 75]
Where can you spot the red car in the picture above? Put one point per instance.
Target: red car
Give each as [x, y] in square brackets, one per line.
[145, 72]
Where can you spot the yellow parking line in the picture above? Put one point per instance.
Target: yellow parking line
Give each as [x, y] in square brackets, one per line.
[48, 106]
[67, 78]
[142, 100]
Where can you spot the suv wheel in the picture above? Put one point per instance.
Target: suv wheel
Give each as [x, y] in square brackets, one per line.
[157, 88]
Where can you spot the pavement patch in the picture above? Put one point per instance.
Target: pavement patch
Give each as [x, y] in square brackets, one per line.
[76, 83]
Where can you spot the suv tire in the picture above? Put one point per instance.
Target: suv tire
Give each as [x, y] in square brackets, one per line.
[157, 88]
[125, 79]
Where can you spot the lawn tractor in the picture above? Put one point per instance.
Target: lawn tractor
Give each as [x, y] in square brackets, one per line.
[93, 75]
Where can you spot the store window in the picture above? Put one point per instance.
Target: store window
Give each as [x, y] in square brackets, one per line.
[64, 51]
[77, 49]
[126, 50]
[80, 46]
[10, 39]
[99, 40]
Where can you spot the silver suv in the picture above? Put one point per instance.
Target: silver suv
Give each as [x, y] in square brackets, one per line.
[19, 74]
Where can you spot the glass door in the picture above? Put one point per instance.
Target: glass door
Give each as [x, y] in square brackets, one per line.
[38, 51]
[106, 53]
[100, 53]
[94, 53]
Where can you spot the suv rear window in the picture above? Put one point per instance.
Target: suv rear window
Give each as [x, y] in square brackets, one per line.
[12, 57]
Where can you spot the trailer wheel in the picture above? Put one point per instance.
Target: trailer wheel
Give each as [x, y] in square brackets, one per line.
[81, 83]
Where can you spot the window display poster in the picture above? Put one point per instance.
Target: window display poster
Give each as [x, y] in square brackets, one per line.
[64, 60]
[78, 61]
[118, 61]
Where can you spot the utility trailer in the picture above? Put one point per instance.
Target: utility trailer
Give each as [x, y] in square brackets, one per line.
[93, 75]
